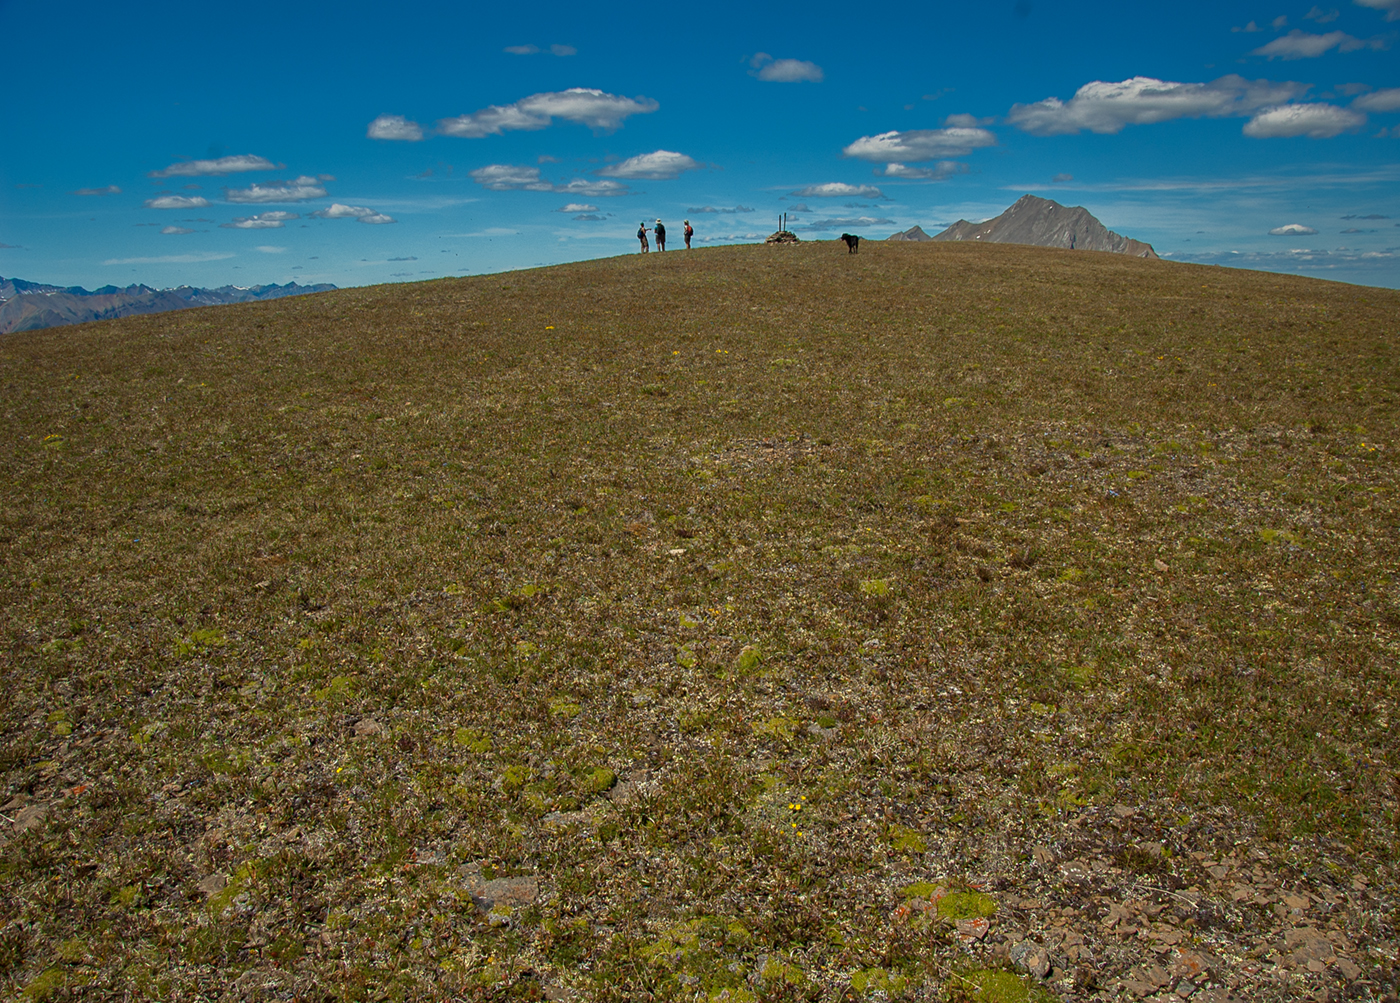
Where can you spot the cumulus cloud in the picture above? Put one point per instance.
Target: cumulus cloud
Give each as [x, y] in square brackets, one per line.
[784, 71]
[394, 127]
[1292, 230]
[940, 171]
[109, 190]
[177, 202]
[509, 177]
[170, 259]
[1301, 45]
[338, 211]
[506, 177]
[839, 189]
[702, 210]
[170, 230]
[252, 223]
[1386, 100]
[521, 50]
[592, 188]
[920, 144]
[1322, 16]
[1251, 27]
[376, 218]
[660, 165]
[221, 165]
[848, 223]
[1391, 7]
[600, 111]
[1316, 121]
[297, 190]
[577, 207]
[1104, 107]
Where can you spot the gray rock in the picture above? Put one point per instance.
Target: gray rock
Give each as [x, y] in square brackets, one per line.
[1044, 223]
[1031, 957]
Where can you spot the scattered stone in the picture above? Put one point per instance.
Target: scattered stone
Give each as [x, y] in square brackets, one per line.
[28, 818]
[1348, 970]
[783, 237]
[1306, 945]
[1191, 964]
[567, 819]
[973, 929]
[367, 726]
[1185, 989]
[213, 884]
[508, 893]
[1031, 957]
[1043, 855]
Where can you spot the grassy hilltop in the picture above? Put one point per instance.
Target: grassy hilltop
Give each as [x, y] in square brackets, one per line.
[760, 620]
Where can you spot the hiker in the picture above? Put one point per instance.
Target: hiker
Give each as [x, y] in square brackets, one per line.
[660, 235]
[642, 236]
[689, 232]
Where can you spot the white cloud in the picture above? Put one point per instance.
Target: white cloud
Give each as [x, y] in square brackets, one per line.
[920, 144]
[221, 165]
[784, 71]
[506, 177]
[377, 218]
[726, 211]
[337, 211]
[109, 190]
[839, 189]
[297, 190]
[848, 223]
[521, 50]
[394, 127]
[170, 259]
[1251, 27]
[1104, 107]
[1280, 22]
[1386, 100]
[1060, 179]
[1300, 45]
[592, 188]
[941, 171]
[596, 109]
[563, 50]
[1292, 230]
[269, 249]
[252, 223]
[176, 229]
[659, 165]
[577, 207]
[1317, 121]
[1322, 16]
[1391, 7]
[177, 202]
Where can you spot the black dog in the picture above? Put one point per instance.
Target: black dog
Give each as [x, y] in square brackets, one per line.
[852, 243]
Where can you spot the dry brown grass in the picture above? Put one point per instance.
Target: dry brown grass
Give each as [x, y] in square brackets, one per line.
[1068, 576]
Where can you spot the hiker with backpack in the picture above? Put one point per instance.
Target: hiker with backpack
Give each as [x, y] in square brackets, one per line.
[660, 231]
[642, 236]
[689, 232]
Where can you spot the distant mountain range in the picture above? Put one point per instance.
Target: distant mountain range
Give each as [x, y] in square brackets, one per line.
[1042, 223]
[31, 306]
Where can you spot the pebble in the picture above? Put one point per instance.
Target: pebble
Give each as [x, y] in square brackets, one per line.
[1031, 957]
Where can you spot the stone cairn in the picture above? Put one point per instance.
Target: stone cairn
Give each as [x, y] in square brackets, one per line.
[783, 234]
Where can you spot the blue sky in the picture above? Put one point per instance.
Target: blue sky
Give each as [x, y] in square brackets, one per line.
[358, 143]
